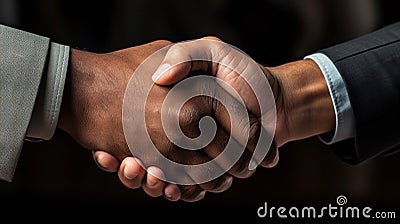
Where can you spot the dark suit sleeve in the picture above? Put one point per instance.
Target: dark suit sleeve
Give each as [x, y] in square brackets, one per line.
[370, 67]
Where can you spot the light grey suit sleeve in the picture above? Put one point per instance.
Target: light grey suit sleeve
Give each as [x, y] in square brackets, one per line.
[32, 74]
[48, 102]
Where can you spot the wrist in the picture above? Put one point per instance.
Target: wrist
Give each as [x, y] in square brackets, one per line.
[64, 118]
[305, 107]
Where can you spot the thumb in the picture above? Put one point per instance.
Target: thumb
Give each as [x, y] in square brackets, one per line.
[175, 66]
[185, 57]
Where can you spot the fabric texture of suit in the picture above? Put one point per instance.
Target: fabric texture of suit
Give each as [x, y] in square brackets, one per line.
[32, 74]
[370, 67]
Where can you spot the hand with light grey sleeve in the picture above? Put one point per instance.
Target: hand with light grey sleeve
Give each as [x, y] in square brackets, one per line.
[86, 95]
[46, 86]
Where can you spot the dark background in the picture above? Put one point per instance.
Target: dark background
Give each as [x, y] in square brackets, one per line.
[59, 177]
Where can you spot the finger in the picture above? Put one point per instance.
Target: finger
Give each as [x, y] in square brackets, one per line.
[152, 185]
[272, 158]
[188, 192]
[131, 173]
[167, 74]
[211, 38]
[224, 150]
[196, 177]
[105, 161]
[218, 185]
[275, 162]
[191, 193]
[215, 58]
[182, 58]
[242, 125]
[172, 192]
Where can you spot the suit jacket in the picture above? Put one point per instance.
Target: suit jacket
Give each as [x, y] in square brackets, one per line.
[370, 67]
[32, 75]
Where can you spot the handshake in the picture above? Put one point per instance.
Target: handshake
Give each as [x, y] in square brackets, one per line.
[184, 119]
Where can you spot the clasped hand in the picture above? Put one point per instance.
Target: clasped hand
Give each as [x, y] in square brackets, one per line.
[92, 114]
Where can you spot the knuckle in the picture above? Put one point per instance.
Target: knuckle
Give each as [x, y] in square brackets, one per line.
[189, 117]
[212, 38]
[177, 49]
[163, 42]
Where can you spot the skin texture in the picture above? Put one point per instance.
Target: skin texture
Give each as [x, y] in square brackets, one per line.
[306, 108]
[303, 104]
[91, 113]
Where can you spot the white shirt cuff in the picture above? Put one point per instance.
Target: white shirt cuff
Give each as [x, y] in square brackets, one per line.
[48, 102]
[345, 127]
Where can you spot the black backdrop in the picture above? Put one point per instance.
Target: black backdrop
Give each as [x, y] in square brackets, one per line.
[59, 177]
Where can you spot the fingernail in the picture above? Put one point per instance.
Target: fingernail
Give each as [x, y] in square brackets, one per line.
[160, 72]
[276, 159]
[168, 192]
[253, 164]
[151, 181]
[274, 162]
[129, 175]
[168, 195]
